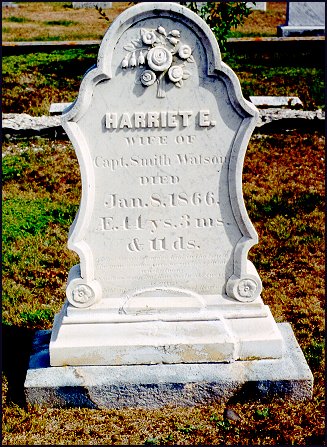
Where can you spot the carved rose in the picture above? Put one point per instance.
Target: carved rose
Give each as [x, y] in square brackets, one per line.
[184, 51]
[175, 73]
[246, 288]
[159, 58]
[148, 77]
[149, 37]
[82, 294]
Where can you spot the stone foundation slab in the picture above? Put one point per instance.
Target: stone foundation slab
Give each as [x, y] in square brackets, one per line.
[154, 386]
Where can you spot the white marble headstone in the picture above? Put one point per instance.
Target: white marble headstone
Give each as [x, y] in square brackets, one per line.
[160, 128]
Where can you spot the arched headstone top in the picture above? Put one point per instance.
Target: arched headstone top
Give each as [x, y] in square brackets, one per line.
[130, 21]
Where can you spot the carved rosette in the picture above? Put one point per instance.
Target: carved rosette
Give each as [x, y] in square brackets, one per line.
[83, 294]
[245, 289]
[162, 55]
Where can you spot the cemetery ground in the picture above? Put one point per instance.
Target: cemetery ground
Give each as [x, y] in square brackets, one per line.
[283, 181]
[283, 184]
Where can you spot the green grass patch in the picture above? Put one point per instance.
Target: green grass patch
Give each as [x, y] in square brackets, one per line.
[15, 19]
[60, 23]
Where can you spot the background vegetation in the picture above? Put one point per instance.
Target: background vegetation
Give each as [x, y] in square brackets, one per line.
[46, 21]
[283, 181]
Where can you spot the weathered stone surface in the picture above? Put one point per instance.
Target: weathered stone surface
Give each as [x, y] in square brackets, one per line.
[154, 386]
[269, 115]
[276, 101]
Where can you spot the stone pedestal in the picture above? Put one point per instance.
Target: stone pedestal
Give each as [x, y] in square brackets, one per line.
[154, 386]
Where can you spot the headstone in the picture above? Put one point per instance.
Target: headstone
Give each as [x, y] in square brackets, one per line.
[276, 101]
[9, 5]
[258, 6]
[162, 231]
[160, 128]
[56, 108]
[103, 5]
[303, 19]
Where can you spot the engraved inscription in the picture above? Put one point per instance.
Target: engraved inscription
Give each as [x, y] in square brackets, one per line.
[170, 119]
[158, 160]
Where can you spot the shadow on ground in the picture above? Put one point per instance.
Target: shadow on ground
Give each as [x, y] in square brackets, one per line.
[16, 349]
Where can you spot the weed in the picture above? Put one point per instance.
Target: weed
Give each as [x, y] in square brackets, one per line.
[16, 19]
[13, 167]
[152, 441]
[37, 317]
[188, 428]
[60, 23]
[262, 414]
[314, 354]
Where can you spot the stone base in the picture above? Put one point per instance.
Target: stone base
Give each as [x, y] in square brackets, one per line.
[293, 31]
[154, 386]
[217, 333]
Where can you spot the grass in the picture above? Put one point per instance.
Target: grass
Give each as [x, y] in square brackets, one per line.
[33, 81]
[48, 21]
[283, 182]
[41, 21]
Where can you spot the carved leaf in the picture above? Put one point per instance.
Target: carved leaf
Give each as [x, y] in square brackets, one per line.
[143, 31]
[136, 43]
[129, 47]
[186, 74]
[179, 84]
[190, 59]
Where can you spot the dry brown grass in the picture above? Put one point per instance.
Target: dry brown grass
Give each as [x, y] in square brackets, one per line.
[264, 23]
[32, 21]
[85, 23]
[284, 192]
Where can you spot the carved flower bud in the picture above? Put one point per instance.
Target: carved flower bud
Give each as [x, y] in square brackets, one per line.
[159, 58]
[184, 51]
[161, 30]
[175, 73]
[124, 63]
[133, 60]
[175, 33]
[149, 37]
[172, 40]
[141, 59]
[148, 77]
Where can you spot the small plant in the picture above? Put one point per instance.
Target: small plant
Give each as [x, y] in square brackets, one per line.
[220, 423]
[314, 354]
[262, 414]
[16, 19]
[152, 441]
[221, 17]
[36, 317]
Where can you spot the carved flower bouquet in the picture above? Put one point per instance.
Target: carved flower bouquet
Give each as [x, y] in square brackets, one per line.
[162, 55]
